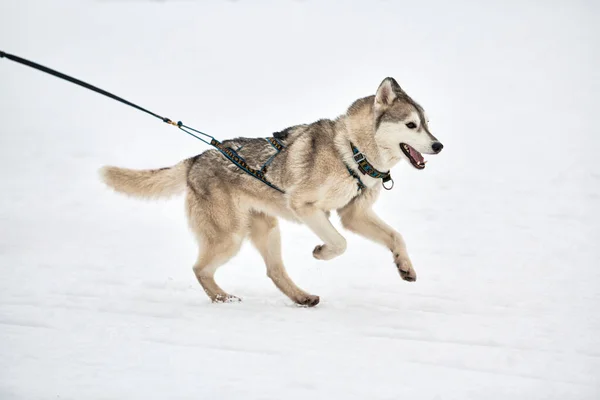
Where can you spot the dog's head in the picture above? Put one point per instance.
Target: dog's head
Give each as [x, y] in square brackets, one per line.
[401, 129]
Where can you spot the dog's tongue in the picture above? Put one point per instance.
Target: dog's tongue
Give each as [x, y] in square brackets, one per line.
[416, 155]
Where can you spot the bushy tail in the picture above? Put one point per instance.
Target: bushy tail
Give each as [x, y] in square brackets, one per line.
[147, 183]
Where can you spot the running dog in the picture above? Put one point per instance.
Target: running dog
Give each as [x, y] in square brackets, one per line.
[327, 165]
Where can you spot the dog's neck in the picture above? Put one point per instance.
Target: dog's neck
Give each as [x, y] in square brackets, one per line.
[358, 126]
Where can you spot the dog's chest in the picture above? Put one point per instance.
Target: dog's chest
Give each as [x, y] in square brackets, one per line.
[336, 193]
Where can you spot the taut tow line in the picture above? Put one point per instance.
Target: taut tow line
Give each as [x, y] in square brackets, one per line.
[229, 153]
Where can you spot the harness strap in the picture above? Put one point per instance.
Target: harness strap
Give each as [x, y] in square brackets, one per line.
[359, 183]
[365, 167]
[277, 145]
[235, 158]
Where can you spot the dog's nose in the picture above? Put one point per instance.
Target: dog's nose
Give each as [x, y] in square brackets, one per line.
[437, 147]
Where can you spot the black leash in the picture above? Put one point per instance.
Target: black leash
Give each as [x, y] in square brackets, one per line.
[80, 83]
[229, 153]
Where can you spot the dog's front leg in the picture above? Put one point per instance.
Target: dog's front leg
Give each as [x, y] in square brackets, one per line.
[318, 221]
[366, 223]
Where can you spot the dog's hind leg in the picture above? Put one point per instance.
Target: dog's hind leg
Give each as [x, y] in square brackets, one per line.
[264, 233]
[211, 257]
[220, 229]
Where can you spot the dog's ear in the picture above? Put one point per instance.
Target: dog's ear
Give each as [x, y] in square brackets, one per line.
[387, 92]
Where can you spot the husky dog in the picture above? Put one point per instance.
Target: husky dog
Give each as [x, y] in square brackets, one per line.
[318, 169]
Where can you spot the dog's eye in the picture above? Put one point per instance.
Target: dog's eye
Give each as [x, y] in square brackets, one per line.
[411, 125]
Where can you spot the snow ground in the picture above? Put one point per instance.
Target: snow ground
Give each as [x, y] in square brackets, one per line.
[97, 296]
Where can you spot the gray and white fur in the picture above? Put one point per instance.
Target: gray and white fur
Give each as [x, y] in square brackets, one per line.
[225, 205]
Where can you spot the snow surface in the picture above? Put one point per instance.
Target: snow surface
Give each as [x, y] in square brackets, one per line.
[97, 296]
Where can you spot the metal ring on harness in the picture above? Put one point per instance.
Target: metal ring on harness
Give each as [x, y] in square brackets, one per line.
[389, 180]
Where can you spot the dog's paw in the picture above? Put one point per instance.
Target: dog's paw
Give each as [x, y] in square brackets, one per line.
[405, 268]
[319, 251]
[409, 276]
[308, 300]
[226, 299]
[325, 252]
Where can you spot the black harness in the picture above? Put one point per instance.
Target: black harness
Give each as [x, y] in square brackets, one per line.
[359, 182]
[239, 161]
[365, 167]
[277, 145]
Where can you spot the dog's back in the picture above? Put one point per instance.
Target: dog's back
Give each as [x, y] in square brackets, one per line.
[199, 170]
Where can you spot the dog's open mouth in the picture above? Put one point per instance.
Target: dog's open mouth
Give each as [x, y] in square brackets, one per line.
[416, 159]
